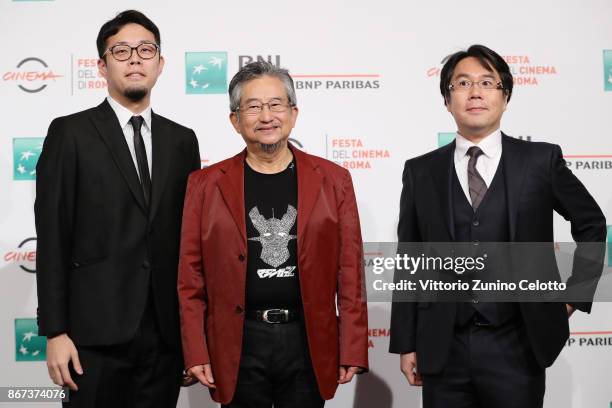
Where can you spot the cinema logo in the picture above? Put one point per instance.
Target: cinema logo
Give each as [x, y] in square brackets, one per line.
[590, 339]
[32, 75]
[353, 153]
[85, 75]
[297, 144]
[24, 255]
[525, 70]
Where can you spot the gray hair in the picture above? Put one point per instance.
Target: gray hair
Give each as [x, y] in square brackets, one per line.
[256, 70]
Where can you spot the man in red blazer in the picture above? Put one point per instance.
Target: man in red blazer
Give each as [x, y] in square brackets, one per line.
[271, 290]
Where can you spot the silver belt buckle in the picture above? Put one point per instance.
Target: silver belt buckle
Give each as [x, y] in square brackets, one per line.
[265, 315]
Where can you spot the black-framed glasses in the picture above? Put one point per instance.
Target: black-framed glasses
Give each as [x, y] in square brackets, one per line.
[256, 107]
[466, 85]
[123, 52]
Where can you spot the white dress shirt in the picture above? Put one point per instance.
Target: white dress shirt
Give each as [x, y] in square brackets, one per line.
[124, 115]
[487, 163]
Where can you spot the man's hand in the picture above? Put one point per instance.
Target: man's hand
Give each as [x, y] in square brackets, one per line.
[408, 366]
[570, 309]
[346, 373]
[60, 351]
[204, 374]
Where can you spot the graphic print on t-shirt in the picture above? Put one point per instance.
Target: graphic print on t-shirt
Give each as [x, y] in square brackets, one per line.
[274, 238]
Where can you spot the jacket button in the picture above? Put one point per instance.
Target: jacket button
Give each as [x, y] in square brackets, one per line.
[146, 265]
[475, 223]
[75, 264]
[239, 309]
[241, 258]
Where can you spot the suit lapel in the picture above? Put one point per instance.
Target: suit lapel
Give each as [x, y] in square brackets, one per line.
[231, 185]
[161, 152]
[515, 165]
[107, 125]
[309, 186]
[442, 176]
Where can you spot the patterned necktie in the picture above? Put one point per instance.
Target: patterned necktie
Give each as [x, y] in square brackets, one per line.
[476, 183]
[141, 158]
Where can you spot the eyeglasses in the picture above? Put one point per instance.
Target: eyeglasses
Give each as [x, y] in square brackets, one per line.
[466, 84]
[256, 107]
[123, 52]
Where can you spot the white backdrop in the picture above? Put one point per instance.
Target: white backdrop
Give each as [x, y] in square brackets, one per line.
[367, 75]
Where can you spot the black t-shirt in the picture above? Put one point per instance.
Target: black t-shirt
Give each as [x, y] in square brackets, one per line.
[271, 225]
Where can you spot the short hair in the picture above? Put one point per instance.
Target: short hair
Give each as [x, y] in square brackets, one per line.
[112, 27]
[256, 70]
[489, 60]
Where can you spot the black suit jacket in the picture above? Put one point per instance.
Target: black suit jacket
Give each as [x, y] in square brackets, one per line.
[99, 247]
[537, 182]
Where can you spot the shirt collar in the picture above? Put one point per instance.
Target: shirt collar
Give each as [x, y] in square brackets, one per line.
[124, 114]
[490, 145]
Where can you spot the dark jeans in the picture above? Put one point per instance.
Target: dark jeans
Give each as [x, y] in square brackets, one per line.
[487, 367]
[275, 368]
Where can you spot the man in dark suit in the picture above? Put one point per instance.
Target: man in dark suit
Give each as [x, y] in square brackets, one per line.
[109, 196]
[486, 187]
[270, 249]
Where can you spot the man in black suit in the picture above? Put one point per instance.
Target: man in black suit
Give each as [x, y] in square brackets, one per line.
[109, 197]
[486, 187]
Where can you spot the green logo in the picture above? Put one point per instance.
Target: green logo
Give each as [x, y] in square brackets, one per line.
[445, 138]
[206, 72]
[26, 151]
[29, 346]
[610, 247]
[607, 57]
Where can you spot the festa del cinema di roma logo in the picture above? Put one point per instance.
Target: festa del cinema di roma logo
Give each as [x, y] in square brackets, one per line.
[206, 72]
[523, 70]
[31, 75]
[353, 153]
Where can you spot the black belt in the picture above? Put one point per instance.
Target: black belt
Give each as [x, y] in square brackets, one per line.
[480, 321]
[273, 316]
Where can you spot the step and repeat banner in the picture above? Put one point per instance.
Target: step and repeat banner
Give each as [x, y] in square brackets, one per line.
[367, 77]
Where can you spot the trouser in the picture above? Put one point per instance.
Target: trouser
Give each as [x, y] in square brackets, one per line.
[275, 368]
[488, 367]
[143, 373]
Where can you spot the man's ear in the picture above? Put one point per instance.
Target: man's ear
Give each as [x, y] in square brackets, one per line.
[235, 120]
[102, 67]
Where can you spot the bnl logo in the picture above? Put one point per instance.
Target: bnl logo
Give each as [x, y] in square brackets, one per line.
[610, 247]
[247, 59]
[607, 60]
[29, 346]
[206, 72]
[445, 138]
[26, 151]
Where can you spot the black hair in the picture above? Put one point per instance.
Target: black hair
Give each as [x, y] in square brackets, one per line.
[489, 60]
[112, 27]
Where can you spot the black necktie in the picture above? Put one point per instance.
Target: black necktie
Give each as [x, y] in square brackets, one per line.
[476, 183]
[141, 158]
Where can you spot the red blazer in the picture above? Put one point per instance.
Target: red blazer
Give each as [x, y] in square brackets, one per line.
[212, 270]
